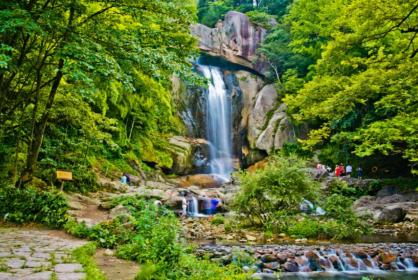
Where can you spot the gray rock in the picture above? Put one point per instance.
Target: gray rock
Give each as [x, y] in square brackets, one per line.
[45, 275]
[265, 102]
[119, 210]
[7, 276]
[68, 267]
[235, 38]
[392, 213]
[36, 264]
[183, 152]
[15, 263]
[71, 276]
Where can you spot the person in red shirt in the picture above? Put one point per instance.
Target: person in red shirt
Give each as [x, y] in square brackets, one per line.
[337, 171]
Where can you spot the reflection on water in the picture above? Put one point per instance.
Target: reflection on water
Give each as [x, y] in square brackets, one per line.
[345, 276]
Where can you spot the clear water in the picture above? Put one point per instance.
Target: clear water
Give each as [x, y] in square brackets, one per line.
[218, 123]
[345, 276]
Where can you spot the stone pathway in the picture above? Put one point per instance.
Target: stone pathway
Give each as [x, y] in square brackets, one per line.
[32, 254]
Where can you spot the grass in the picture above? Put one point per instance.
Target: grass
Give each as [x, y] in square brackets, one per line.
[84, 256]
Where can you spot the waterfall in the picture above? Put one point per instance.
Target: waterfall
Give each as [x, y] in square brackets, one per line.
[218, 123]
[193, 208]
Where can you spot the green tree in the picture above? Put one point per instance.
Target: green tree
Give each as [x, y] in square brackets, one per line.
[106, 51]
[365, 91]
[280, 186]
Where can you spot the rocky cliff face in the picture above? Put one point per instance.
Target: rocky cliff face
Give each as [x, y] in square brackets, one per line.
[235, 38]
[260, 123]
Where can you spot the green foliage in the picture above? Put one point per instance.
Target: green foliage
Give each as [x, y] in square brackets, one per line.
[84, 256]
[340, 222]
[280, 186]
[33, 205]
[342, 188]
[360, 90]
[89, 82]
[150, 236]
[262, 19]
[217, 220]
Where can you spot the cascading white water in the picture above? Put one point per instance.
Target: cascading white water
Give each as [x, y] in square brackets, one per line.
[193, 207]
[218, 123]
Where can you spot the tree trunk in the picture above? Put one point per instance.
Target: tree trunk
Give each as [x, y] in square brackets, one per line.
[38, 135]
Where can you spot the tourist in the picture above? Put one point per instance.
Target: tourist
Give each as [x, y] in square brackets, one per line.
[337, 171]
[215, 204]
[158, 203]
[128, 178]
[206, 205]
[348, 170]
[359, 172]
[124, 179]
[183, 206]
[342, 169]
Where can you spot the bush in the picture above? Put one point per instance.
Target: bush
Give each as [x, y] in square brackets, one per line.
[150, 236]
[280, 186]
[23, 205]
[217, 220]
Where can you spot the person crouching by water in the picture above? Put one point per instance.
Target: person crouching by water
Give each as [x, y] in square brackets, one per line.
[215, 203]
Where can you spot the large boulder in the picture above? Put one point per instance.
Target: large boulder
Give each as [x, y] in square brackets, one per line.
[265, 102]
[279, 131]
[235, 38]
[188, 154]
[391, 208]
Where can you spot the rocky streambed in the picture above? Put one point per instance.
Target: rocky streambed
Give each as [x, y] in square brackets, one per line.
[367, 258]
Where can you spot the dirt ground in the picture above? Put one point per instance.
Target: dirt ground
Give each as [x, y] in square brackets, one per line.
[114, 268]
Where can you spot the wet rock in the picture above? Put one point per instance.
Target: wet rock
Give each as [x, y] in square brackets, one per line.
[387, 258]
[269, 258]
[282, 257]
[361, 254]
[290, 267]
[272, 265]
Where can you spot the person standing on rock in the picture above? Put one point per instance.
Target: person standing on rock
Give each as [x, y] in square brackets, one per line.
[183, 206]
[337, 171]
[359, 172]
[348, 170]
[342, 169]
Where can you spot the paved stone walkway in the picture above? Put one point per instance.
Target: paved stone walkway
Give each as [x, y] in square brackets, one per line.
[30, 254]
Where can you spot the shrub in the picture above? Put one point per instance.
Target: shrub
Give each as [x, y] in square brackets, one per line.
[280, 186]
[150, 236]
[23, 205]
[217, 220]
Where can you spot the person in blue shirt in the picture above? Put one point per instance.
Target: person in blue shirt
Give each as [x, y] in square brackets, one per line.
[215, 203]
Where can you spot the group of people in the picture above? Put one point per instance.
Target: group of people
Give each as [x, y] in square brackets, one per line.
[340, 170]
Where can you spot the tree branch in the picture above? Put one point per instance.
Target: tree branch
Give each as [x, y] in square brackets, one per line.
[96, 14]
